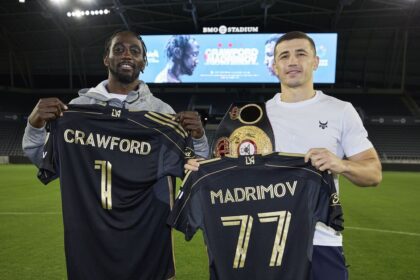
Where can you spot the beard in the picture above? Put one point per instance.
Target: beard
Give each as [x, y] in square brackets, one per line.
[187, 70]
[125, 78]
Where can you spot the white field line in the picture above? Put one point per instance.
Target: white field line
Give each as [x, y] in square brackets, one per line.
[384, 231]
[28, 213]
[351, 228]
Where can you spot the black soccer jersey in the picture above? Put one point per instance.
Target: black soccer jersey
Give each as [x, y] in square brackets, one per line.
[115, 170]
[258, 214]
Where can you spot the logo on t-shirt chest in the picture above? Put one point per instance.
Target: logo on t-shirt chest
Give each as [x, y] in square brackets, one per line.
[323, 125]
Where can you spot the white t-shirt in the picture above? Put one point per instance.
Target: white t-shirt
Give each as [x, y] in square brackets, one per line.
[121, 97]
[320, 122]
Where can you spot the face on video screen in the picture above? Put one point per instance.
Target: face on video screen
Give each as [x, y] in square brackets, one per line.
[269, 56]
[190, 57]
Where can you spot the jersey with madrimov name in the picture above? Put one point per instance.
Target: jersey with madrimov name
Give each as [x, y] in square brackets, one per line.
[257, 213]
[116, 171]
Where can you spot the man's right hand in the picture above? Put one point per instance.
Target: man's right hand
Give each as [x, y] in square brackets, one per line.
[193, 164]
[45, 110]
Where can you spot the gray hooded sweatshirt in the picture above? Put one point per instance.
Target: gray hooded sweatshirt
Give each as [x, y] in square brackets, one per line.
[141, 99]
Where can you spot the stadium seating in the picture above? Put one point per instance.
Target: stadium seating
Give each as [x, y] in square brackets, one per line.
[11, 138]
[396, 142]
[378, 104]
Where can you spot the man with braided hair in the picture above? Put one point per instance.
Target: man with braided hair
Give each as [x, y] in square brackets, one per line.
[182, 53]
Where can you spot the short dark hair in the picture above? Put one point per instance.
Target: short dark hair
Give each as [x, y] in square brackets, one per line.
[177, 41]
[295, 35]
[115, 34]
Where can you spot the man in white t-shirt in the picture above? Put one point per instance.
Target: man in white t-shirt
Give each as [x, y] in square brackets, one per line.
[323, 128]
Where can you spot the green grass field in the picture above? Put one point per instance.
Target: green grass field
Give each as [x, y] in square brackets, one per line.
[381, 239]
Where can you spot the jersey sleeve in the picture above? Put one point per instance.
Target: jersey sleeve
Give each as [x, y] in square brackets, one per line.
[177, 144]
[335, 211]
[176, 155]
[186, 215]
[354, 135]
[48, 170]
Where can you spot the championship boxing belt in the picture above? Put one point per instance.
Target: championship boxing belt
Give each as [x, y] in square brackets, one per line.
[244, 130]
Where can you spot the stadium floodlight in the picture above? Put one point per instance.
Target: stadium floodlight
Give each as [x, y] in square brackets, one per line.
[79, 13]
[58, 1]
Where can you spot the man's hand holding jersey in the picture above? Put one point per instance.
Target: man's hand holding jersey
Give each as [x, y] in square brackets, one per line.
[322, 159]
[191, 122]
[362, 169]
[45, 110]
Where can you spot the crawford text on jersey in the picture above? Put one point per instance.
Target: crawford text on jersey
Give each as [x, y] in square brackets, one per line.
[107, 142]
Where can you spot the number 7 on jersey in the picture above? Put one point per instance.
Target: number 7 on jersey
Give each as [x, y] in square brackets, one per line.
[282, 218]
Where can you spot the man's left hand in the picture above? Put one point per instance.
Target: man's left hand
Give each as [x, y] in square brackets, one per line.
[191, 122]
[322, 159]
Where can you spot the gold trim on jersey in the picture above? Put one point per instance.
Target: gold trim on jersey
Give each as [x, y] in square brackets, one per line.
[84, 112]
[169, 138]
[291, 154]
[171, 118]
[197, 181]
[296, 167]
[164, 121]
[164, 117]
[209, 160]
[171, 205]
[187, 174]
[171, 191]
[273, 153]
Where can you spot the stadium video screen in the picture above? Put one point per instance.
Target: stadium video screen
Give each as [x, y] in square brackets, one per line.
[226, 58]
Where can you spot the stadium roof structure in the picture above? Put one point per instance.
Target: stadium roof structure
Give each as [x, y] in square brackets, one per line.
[41, 47]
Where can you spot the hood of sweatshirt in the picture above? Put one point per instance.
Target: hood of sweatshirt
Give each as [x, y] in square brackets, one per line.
[101, 93]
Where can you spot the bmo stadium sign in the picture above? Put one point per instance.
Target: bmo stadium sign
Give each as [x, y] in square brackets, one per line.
[223, 29]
